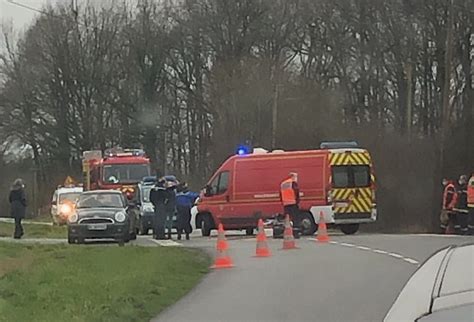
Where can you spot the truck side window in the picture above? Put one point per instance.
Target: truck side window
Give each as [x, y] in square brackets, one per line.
[223, 182]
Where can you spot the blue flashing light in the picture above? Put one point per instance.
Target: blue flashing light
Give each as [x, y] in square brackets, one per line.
[243, 150]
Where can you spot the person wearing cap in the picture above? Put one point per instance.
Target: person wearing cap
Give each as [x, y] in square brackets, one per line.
[461, 209]
[17, 199]
[290, 198]
[158, 197]
[448, 215]
[184, 202]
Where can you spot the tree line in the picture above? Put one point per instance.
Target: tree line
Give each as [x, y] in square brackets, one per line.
[190, 80]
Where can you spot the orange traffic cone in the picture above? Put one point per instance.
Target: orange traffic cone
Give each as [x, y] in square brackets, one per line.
[288, 238]
[323, 236]
[222, 259]
[262, 247]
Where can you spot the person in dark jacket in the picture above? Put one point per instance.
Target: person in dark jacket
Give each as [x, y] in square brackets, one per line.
[158, 197]
[170, 206]
[17, 200]
[184, 202]
[461, 209]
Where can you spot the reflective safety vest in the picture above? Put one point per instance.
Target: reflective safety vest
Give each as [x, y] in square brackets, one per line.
[470, 192]
[288, 194]
[449, 196]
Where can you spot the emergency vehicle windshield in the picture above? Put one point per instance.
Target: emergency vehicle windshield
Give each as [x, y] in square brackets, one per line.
[69, 197]
[125, 173]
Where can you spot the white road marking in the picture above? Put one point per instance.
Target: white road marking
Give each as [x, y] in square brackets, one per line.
[166, 243]
[379, 251]
[347, 245]
[395, 255]
[411, 261]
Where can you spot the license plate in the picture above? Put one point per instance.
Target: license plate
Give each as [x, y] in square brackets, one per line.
[97, 227]
[341, 204]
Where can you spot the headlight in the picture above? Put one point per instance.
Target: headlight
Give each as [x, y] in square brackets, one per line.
[120, 216]
[65, 209]
[73, 218]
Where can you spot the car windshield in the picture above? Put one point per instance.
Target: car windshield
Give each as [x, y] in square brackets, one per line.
[100, 200]
[69, 197]
[146, 194]
[125, 173]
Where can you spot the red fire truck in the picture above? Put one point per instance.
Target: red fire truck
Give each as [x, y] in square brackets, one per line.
[120, 169]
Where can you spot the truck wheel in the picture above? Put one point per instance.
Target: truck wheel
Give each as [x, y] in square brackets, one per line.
[308, 226]
[349, 229]
[249, 231]
[206, 225]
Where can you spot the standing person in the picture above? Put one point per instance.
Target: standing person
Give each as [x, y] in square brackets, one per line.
[17, 200]
[448, 215]
[470, 204]
[461, 209]
[184, 202]
[158, 197]
[290, 198]
[170, 206]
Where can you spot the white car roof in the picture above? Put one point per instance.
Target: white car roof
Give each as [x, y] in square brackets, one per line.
[69, 189]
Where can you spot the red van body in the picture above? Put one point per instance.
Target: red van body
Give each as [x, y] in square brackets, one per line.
[246, 187]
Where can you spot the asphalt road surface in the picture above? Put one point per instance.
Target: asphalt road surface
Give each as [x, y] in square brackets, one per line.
[353, 278]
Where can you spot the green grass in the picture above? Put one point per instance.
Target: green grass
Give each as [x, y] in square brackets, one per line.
[34, 231]
[93, 283]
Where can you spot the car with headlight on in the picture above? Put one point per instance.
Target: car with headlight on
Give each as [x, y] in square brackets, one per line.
[63, 203]
[442, 289]
[103, 214]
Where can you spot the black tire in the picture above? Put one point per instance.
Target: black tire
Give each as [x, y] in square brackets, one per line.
[70, 240]
[142, 230]
[133, 236]
[308, 226]
[249, 231]
[349, 229]
[207, 225]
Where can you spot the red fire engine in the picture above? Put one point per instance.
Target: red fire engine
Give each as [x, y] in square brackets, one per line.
[120, 169]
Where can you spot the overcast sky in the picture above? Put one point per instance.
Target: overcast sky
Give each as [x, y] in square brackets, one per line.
[21, 17]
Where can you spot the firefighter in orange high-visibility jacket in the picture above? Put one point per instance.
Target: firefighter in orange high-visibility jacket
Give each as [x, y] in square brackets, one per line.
[290, 198]
[470, 204]
[448, 215]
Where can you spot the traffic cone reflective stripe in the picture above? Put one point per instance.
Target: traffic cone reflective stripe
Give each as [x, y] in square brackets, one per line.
[262, 247]
[322, 230]
[288, 238]
[222, 260]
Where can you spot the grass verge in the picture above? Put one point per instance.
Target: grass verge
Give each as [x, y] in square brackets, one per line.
[93, 283]
[34, 231]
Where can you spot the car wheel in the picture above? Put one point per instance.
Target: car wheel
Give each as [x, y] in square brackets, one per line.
[249, 231]
[133, 235]
[142, 230]
[349, 229]
[70, 240]
[206, 225]
[308, 226]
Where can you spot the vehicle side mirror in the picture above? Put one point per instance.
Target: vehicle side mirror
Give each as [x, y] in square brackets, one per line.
[207, 191]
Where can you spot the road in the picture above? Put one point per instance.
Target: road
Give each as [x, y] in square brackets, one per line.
[354, 278]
